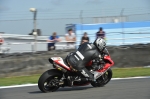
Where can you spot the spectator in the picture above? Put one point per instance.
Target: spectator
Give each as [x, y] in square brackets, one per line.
[1, 40]
[71, 38]
[84, 38]
[53, 39]
[100, 33]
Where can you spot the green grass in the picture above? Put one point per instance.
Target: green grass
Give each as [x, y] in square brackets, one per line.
[130, 72]
[19, 80]
[117, 73]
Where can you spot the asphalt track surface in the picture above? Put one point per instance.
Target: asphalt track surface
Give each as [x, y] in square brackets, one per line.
[115, 89]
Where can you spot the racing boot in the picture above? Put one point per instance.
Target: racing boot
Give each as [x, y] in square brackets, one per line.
[70, 81]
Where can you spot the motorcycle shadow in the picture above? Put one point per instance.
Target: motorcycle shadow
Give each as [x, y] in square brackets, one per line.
[74, 88]
[65, 89]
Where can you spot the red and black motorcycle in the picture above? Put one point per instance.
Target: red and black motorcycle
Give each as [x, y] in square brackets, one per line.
[52, 79]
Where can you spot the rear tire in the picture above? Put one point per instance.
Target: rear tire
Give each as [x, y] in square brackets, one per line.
[103, 80]
[46, 78]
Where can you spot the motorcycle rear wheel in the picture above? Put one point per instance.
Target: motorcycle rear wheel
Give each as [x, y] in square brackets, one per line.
[47, 79]
[103, 80]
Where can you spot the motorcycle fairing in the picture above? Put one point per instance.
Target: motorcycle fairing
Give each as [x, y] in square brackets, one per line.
[60, 61]
[108, 64]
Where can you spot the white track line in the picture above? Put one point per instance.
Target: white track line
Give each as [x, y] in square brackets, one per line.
[28, 85]
[130, 78]
[15, 86]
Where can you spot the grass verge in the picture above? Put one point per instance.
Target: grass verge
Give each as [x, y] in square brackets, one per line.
[117, 73]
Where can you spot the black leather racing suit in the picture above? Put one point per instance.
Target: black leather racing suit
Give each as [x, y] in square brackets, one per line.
[85, 53]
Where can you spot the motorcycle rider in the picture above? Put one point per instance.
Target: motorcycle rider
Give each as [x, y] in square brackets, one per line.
[85, 53]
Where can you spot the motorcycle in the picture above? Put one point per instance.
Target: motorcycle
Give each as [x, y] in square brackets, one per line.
[53, 79]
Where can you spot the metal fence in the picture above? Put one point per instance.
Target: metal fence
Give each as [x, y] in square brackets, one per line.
[26, 43]
[48, 22]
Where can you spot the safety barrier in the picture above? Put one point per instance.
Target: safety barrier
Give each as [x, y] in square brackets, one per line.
[63, 45]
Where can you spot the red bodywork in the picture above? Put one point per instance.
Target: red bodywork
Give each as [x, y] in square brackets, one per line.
[63, 65]
[107, 58]
[107, 65]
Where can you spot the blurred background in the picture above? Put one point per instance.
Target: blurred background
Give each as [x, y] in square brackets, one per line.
[27, 28]
[123, 22]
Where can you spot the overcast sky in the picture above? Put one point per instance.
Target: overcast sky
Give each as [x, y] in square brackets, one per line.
[53, 10]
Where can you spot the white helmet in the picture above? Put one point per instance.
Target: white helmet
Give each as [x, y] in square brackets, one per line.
[100, 43]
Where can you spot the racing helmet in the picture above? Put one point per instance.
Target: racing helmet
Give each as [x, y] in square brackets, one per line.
[100, 44]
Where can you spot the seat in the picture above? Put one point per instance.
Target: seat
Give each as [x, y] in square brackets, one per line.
[65, 62]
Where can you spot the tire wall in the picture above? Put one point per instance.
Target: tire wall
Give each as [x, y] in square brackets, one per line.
[35, 63]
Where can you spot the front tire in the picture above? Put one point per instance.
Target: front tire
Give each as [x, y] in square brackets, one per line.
[48, 77]
[103, 80]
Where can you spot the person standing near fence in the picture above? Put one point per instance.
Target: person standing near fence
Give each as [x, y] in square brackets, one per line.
[101, 34]
[53, 39]
[1, 40]
[71, 38]
[84, 38]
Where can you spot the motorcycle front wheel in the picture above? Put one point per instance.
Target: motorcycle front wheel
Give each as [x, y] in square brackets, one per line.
[103, 80]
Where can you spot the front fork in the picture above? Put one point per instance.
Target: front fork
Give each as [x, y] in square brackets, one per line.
[98, 74]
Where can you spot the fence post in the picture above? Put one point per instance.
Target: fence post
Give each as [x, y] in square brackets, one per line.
[122, 24]
[32, 47]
